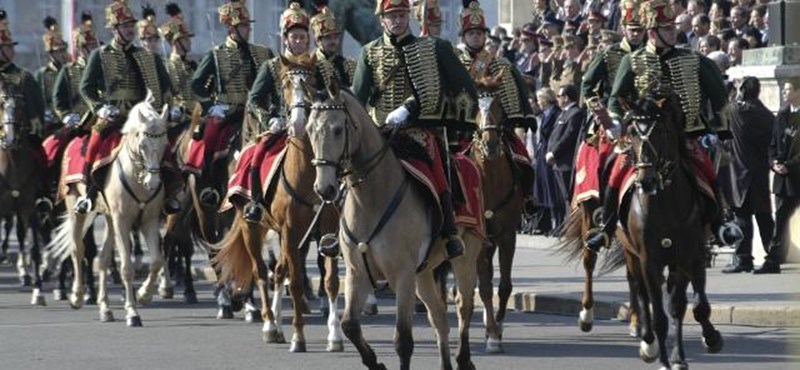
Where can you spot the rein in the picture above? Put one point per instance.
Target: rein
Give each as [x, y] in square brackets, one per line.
[138, 161]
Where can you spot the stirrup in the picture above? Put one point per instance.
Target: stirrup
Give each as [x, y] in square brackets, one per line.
[43, 205]
[83, 205]
[592, 235]
[172, 206]
[729, 233]
[209, 197]
[254, 212]
[454, 247]
[329, 246]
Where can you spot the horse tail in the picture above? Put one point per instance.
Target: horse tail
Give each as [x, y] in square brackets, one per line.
[61, 245]
[570, 245]
[232, 260]
[613, 259]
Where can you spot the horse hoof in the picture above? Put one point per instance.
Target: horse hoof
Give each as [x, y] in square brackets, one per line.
[297, 346]
[335, 346]
[679, 366]
[713, 343]
[469, 366]
[166, 293]
[273, 336]
[144, 299]
[59, 295]
[25, 280]
[635, 332]
[134, 322]
[379, 366]
[585, 326]
[190, 298]
[586, 320]
[494, 346]
[76, 302]
[253, 316]
[38, 300]
[648, 352]
[224, 312]
[106, 316]
[371, 309]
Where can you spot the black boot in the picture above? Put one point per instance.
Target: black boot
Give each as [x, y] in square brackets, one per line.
[454, 245]
[86, 202]
[254, 211]
[601, 237]
[197, 133]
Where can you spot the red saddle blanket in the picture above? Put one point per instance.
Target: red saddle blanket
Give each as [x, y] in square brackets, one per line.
[432, 176]
[239, 183]
[216, 136]
[588, 166]
[73, 162]
[519, 153]
[53, 145]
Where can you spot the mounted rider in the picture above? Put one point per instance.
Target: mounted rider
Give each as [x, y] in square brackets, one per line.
[328, 38]
[56, 50]
[149, 38]
[269, 106]
[180, 68]
[598, 79]
[429, 16]
[512, 92]
[118, 76]
[21, 89]
[420, 86]
[661, 67]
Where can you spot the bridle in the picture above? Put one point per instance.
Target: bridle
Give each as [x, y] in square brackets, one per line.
[643, 126]
[138, 160]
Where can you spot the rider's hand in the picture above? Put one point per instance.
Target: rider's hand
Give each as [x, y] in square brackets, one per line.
[709, 140]
[72, 120]
[175, 113]
[276, 124]
[108, 112]
[549, 158]
[218, 110]
[398, 117]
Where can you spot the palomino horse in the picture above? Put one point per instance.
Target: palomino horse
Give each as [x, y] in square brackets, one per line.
[292, 205]
[665, 227]
[502, 194]
[131, 192]
[20, 181]
[380, 208]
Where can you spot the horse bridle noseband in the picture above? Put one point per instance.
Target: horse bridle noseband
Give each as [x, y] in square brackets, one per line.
[138, 159]
[664, 168]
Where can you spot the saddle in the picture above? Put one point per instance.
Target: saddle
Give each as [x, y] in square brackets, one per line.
[239, 191]
[218, 138]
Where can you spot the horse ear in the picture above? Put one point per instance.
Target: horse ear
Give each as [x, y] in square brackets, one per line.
[660, 102]
[164, 113]
[149, 98]
[142, 118]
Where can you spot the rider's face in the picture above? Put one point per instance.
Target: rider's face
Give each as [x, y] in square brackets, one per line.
[475, 38]
[297, 40]
[664, 36]
[124, 33]
[329, 43]
[240, 32]
[395, 23]
[7, 54]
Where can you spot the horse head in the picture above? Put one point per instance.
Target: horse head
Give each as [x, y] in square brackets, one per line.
[297, 78]
[146, 139]
[655, 130]
[490, 112]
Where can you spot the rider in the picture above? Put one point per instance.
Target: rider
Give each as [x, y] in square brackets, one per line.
[180, 68]
[56, 49]
[512, 92]
[149, 38]
[417, 84]
[118, 76]
[328, 40]
[660, 66]
[26, 93]
[224, 77]
[429, 16]
[266, 100]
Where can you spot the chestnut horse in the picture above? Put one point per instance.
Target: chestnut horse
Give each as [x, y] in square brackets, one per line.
[292, 205]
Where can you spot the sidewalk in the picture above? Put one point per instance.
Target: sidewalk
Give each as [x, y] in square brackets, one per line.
[544, 284]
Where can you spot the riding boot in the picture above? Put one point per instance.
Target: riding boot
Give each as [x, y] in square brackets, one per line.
[601, 236]
[454, 245]
[254, 211]
[86, 202]
[198, 132]
[172, 187]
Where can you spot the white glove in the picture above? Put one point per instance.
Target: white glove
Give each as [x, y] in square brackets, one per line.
[614, 131]
[398, 117]
[219, 110]
[49, 116]
[175, 113]
[549, 157]
[71, 120]
[108, 112]
[276, 124]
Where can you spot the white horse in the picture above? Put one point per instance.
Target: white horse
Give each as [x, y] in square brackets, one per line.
[131, 191]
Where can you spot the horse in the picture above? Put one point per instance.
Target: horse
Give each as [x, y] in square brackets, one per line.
[665, 228]
[503, 197]
[132, 191]
[21, 179]
[291, 212]
[380, 207]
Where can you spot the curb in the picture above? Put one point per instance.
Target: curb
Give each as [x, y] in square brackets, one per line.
[607, 309]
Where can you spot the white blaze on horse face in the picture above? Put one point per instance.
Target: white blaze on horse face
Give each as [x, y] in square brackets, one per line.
[328, 142]
[484, 106]
[297, 117]
[152, 141]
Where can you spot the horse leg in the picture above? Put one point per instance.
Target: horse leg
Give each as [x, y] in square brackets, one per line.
[145, 293]
[656, 286]
[187, 250]
[464, 270]
[296, 287]
[677, 282]
[335, 338]
[253, 240]
[273, 327]
[8, 223]
[712, 339]
[634, 327]
[138, 253]
[123, 241]
[60, 293]
[88, 262]
[105, 262]
[586, 316]
[23, 258]
[507, 246]
[494, 336]
[36, 257]
[356, 289]
[324, 308]
[428, 292]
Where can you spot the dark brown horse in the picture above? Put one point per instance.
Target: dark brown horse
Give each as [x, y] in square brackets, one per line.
[21, 180]
[502, 194]
[665, 228]
[292, 205]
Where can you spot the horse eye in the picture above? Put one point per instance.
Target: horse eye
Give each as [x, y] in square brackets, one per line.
[337, 130]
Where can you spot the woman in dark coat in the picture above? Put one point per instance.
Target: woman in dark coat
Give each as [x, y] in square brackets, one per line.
[545, 189]
[751, 127]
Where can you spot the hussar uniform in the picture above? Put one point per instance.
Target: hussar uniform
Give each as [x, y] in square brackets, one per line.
[428, 14]
[421, 84]
[324, 24]
[180, 69]
[46, 75]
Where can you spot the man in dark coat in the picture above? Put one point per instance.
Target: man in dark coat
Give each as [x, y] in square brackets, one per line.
[784, 156]
[562, 143]
[751, 128]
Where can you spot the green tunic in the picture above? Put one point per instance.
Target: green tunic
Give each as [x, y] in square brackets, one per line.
[598, 79]
[121, 77]
[66, 96]
[693, 77]
[21, 84]
[46, 79]
[388, 76]
[343, 68]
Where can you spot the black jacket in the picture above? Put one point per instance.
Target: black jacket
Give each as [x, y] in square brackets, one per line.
[752, 128]
[785, 149]
[564, 138]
